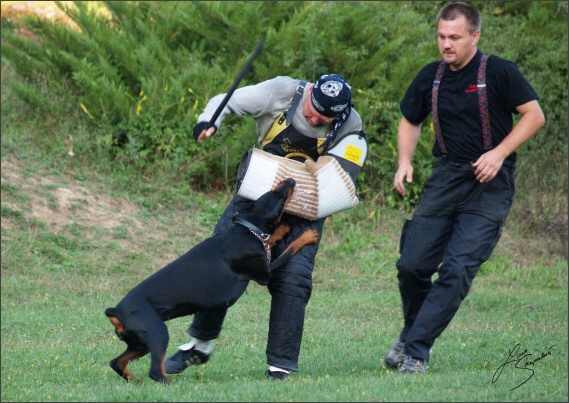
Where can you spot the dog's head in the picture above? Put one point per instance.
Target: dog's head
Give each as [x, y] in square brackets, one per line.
[267, 210]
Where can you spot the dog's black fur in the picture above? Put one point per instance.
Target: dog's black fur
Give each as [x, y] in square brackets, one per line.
[212, 274]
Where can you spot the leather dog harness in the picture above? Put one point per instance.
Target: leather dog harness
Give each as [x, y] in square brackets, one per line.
[482, 104]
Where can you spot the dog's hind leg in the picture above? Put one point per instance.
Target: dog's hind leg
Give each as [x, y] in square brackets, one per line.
[156, 338]
[120, 364]
[308, 237]
[133, 352]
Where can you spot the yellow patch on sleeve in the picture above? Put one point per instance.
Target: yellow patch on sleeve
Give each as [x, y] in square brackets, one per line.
[353, 154]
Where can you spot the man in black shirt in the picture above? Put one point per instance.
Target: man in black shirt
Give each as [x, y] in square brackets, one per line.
[465, 201]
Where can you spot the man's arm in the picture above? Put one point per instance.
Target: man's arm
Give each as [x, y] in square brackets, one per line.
[253, 100]
[489, 163]
[407, 139]
[241, 99]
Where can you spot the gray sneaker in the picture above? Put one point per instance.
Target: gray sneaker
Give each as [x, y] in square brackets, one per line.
[182, 359]
[395, 356]
[412, 365]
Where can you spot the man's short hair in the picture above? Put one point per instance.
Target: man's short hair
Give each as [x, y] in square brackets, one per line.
[453, 10]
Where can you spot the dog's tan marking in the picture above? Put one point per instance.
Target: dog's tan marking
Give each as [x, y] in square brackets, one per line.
[279, 233]
[163, 370]
[120, 364]
[119, 327]
[308, 237]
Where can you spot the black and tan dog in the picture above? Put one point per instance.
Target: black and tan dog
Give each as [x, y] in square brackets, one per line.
[212, 274]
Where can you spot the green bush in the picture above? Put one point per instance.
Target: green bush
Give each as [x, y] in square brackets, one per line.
[140, 73]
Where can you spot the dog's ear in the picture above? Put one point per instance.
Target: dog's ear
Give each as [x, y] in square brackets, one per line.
[244, 206]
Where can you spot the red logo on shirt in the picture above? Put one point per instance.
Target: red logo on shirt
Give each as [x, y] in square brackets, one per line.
[471, 88]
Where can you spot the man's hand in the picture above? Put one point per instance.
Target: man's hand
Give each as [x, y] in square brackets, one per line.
[405, 171]
[205, 134]
[532, 119]
[407, 139]
[488, 165]
[202, 131]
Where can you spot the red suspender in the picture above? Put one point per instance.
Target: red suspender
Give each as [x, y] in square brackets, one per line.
[435, 100]
[482, 104]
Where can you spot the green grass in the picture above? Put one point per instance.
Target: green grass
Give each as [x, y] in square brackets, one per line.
[56, 341]
[78, 233]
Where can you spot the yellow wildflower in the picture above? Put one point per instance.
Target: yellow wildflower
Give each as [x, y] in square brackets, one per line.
[85, 110]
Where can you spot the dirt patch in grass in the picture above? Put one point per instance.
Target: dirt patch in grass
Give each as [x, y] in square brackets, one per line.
[14, 10]
[63, 204]
[59, 203]
[45, 199]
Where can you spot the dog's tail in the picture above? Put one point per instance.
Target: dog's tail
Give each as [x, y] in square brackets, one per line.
[119, 326]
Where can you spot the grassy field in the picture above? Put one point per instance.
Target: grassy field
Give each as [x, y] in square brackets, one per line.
[77, 233]
[75, 239]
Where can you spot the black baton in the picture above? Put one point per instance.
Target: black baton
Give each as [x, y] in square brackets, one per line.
[236, 82]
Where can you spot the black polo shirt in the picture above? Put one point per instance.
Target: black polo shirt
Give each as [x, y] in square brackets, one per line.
[459, 114]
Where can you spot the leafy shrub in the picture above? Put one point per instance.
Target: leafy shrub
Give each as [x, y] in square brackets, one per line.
[141, 72]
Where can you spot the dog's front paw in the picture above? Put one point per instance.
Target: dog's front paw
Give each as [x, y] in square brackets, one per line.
[279, 233]
[284, 227]
[310, 236]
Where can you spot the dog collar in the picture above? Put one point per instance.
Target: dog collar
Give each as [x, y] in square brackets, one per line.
[258, 233]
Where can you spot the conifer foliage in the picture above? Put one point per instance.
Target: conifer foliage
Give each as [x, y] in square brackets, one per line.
[141, 72]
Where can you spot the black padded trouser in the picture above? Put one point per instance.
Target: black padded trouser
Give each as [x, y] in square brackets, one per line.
[454, 229]
[290, 287]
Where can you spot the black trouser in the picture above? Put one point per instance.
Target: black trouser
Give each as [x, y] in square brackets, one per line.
[458, 223]
[290, 287]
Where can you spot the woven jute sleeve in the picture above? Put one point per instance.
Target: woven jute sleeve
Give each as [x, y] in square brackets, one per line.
[322, 187]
